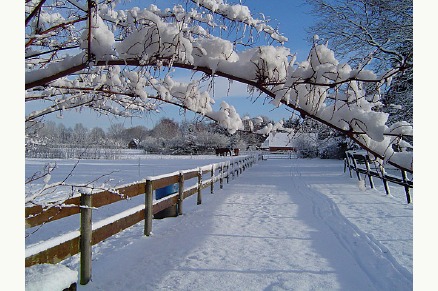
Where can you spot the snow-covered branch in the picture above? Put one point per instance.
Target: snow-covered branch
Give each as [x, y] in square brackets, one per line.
[42, 193]
[240, 13]
[121, 51]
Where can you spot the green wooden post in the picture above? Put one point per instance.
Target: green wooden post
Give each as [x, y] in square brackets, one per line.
[180, 193]
[148, 208]
[86, 238]
[228, 171]
[212, 179]
[199, 199]
[221, 179]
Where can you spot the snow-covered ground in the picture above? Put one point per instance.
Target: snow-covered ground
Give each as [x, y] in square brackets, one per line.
[110, 173]
[292, 224]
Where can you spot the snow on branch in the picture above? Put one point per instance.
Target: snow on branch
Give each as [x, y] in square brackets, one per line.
[241, 13]
[121, 58]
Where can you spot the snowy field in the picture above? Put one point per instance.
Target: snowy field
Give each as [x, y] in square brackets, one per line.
[110, 173]
[105, 174]
[293, 224]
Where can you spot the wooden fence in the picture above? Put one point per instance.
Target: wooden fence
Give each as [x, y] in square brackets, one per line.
[59, 248]
[361, 163]
[279, 155]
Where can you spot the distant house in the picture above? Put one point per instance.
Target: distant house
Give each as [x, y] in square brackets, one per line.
[281, 141]
[278, 141]
[134, 144]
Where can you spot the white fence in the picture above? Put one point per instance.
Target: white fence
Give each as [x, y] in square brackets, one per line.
[45, 152]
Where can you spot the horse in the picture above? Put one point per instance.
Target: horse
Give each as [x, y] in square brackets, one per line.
[223, 151]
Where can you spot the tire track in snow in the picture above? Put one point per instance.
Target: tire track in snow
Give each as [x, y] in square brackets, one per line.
[267, 230]
[371, 256]
[256, 241]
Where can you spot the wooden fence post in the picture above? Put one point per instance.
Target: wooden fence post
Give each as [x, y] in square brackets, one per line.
[348, 164]
[383, 177]
[236, 163]
[238, 167]
[345, 165]
[405, 181]
[356, 168]
[180, 193]
[370, 178]
[199, 200]
[228, 171]
[212, 180]
[86, 237]
[148, 208]
[221, 179]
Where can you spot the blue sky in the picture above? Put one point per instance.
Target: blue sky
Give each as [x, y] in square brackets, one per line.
[292, 19]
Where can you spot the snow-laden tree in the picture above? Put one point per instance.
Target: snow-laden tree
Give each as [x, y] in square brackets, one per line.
[377, 31]
[166, 128]
[120, 61]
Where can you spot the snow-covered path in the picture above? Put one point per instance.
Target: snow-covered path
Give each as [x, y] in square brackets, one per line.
[282, 225]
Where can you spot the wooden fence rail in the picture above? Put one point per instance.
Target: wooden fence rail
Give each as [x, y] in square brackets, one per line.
[361, 163]
[279, 155]
[59, 248]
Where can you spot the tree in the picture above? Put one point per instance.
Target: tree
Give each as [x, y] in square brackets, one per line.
[136, 132]
[90, 54]
[64, 134]
[47, 132]
[379, 32]
[80, 134]
[97, 136]
[166, 128]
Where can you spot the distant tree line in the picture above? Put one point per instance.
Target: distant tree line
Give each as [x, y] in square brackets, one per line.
[166, 137]
[51, 140]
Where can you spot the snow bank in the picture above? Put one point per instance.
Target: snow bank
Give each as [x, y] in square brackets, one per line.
[49, 277]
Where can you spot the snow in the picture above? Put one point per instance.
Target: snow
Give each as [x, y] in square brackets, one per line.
[54, 68]
[321, 86]
[44, 245]
[298, 224]
[242, 14]
[49, 277]
[286, 140]
[401, 128]
[227, 117]
[102, 39]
